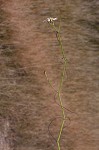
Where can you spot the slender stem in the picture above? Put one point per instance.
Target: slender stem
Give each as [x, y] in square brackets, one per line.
[62, 108]
[60, 87]
[50, 82]
[57, 31]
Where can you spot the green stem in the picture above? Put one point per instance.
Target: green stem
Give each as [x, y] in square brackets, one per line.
[61, 82]
[62, 108]
[60, 87]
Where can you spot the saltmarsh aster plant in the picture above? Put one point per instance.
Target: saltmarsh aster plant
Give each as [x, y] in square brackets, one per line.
[58, 91]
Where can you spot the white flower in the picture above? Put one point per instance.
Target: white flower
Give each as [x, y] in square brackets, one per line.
[50, 20]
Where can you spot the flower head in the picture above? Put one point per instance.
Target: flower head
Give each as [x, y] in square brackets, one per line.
[50, 20]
